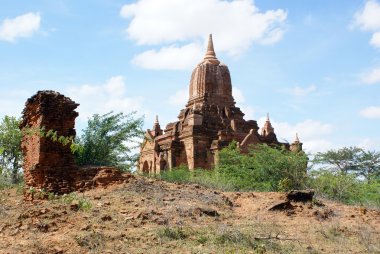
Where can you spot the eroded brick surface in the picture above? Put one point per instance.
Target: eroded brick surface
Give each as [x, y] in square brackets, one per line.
[47, 164]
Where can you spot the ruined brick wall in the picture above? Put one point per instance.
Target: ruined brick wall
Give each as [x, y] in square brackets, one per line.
[47, 164]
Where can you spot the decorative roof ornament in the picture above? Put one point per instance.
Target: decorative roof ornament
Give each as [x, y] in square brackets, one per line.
[210, 55]
[156, 123]
[297, 140]
[267, 129]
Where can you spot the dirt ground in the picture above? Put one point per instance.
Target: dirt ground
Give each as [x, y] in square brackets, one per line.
[152, 216]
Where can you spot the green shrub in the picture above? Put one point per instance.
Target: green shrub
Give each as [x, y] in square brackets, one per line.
[5, 182]
[203, 177]
[263, 169]
[175, 233]
[346, 188]
[177, 175]
[83, 203]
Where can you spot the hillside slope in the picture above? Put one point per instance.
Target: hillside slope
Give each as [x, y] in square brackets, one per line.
[152, 216]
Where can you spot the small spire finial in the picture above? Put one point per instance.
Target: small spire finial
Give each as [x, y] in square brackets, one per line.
[267, 129]
[210, 54]
[156, 123]
[210, 46]
[156, 127]
[297, 139]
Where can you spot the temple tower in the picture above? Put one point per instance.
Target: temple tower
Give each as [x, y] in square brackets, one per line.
[211, 81]
[207, 124]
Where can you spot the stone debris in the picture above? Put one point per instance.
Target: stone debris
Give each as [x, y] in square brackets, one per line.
[282, 205]
[300, 195]
[199, 211]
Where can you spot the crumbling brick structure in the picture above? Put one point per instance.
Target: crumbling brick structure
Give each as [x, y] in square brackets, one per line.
[49, 164]
[209, 122]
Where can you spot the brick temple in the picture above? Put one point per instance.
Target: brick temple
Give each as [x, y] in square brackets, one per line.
[209, 122]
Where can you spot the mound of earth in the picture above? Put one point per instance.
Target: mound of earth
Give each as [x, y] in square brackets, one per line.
[152, 216]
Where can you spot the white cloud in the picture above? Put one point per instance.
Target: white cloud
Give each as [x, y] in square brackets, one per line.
[21, 26]
[100, 99]
[298, 91]
[313, 134]
[375, 40]
[371, 77]
[115, 86]
[238, 95]
[317, 145]
[234, 24]
[248, 111]
[370, 144]
[170, 58]
[368, 18]
[179, 98]
[370, 112]
[12, 102]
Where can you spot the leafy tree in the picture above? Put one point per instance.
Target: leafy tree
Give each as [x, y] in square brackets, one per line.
[369, 165]
[351, 160]
[344, 160]
[10, 147]
[109, 139]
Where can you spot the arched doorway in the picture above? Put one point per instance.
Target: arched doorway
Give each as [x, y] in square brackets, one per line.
[145, 168]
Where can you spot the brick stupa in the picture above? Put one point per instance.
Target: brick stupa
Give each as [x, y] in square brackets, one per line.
[209, 122]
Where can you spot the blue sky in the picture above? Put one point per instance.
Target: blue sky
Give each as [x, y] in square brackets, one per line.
[313, 65]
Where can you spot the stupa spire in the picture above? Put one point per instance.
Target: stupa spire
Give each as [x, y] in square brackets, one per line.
[296, 146]
[267, 129]
[210, 54]
[296, 140]
[156, 127]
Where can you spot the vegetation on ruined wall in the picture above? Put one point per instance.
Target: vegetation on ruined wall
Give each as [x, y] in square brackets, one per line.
[109, 139]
